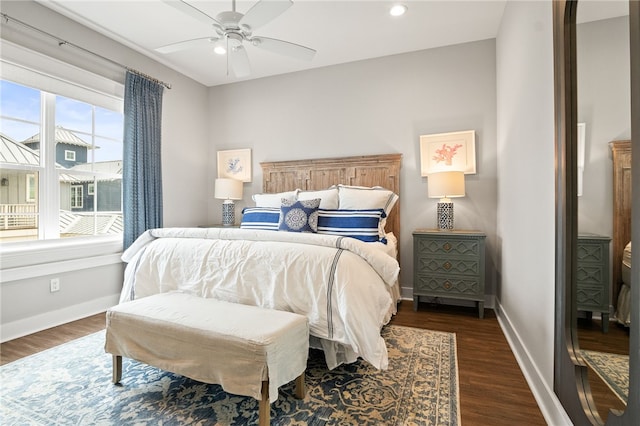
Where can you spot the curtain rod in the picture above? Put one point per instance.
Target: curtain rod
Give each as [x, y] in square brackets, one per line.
[62, 42]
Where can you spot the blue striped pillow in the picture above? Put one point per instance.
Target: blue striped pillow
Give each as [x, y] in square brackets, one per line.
[266, 218]
[360, 224]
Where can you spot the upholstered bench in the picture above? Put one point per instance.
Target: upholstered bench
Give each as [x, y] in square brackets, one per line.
[247, 350]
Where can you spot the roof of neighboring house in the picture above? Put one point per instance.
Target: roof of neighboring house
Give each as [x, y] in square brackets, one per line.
[62, 136]
[113, 168]
[83, 223]
[13, 152]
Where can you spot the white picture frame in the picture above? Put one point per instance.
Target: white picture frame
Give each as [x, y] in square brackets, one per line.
[582, 129]
[235, 164]
[454, 151]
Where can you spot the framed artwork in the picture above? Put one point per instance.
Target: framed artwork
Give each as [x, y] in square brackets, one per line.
[581, 148]
[235, 164]
[443, 152]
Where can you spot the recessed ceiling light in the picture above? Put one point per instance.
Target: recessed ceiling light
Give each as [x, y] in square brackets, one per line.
[398, 10]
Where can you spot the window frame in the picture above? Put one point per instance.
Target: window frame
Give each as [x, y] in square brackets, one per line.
[31, 184]
[29, 68]
[69, 155]
[77, 196]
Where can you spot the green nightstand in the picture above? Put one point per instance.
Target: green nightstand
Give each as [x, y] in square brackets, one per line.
[449, 264]
[594, 276]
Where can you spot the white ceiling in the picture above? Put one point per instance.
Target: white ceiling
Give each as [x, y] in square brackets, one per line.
[340, 31]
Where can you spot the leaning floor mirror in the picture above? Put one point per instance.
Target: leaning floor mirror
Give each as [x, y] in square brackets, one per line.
[597, 114]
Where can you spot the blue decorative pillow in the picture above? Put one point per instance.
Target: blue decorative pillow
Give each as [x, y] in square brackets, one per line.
[299, 216]
[266, 218]
[360, 224]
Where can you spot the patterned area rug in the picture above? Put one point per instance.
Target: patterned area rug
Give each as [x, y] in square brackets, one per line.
[613, 369]
[71, 385]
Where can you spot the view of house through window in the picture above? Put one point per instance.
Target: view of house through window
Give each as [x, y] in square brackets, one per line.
[60, 166]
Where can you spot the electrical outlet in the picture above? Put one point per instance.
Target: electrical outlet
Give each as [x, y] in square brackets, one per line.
[54, 285]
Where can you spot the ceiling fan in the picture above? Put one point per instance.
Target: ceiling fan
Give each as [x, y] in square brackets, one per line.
[233, 29]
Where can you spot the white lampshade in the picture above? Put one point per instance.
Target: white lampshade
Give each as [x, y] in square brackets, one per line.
[228, 189]
[446, 184]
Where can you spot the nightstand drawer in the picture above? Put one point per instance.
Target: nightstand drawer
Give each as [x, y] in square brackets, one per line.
[436, 264]
[592, 297]
[591, 252]
[449, 285]
[451, 246]
[591, 274]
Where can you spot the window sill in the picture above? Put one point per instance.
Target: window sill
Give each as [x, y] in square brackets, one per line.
[22, 260]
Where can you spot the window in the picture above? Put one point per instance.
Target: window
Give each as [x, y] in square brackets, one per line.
[76, 196]
[32, 188]
[56, 149]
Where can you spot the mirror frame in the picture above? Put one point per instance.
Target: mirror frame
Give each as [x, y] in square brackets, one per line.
[571, 384]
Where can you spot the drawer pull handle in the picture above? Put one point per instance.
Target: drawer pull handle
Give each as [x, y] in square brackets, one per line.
[447, 265]
[446, 246]
[447, 285]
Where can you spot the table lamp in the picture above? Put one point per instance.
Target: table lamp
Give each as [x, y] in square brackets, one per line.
[445, 185]
[228, 190]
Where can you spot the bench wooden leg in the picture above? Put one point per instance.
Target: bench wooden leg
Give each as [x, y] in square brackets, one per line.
[264, 412]
[300, 387]
[117, 368]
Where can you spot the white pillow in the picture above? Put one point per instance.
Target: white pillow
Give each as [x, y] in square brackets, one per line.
[329, 197]
[360, 197]
[274, 200]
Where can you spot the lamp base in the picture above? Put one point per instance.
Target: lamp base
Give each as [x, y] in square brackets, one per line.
[228, 213]
[445, 216]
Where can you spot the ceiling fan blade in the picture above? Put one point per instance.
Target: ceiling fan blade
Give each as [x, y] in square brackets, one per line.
[239, 61]
[263, 12]
[186, 44]
[193, 11]
[284, 48]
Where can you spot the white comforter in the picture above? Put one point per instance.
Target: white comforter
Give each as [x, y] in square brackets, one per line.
[341, 284]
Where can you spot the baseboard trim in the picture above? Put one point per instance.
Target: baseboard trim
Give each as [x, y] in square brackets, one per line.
[546, 398]
[26, 326]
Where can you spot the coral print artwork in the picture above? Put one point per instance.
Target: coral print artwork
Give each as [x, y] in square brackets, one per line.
[448, 152]
[235, 164]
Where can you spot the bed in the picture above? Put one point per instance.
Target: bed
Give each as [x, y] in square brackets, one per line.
[621, 241]
[347, 287]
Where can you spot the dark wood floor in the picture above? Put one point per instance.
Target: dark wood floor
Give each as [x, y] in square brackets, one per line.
[493, 390]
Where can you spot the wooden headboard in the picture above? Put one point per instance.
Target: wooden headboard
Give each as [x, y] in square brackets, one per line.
[316, 174]
[621, 207]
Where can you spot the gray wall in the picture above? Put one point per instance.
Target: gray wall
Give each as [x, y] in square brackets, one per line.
[526, 200]
[375, 106]
[604, 105]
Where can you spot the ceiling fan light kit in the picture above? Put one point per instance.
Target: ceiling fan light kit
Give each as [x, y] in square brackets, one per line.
[234, 28]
